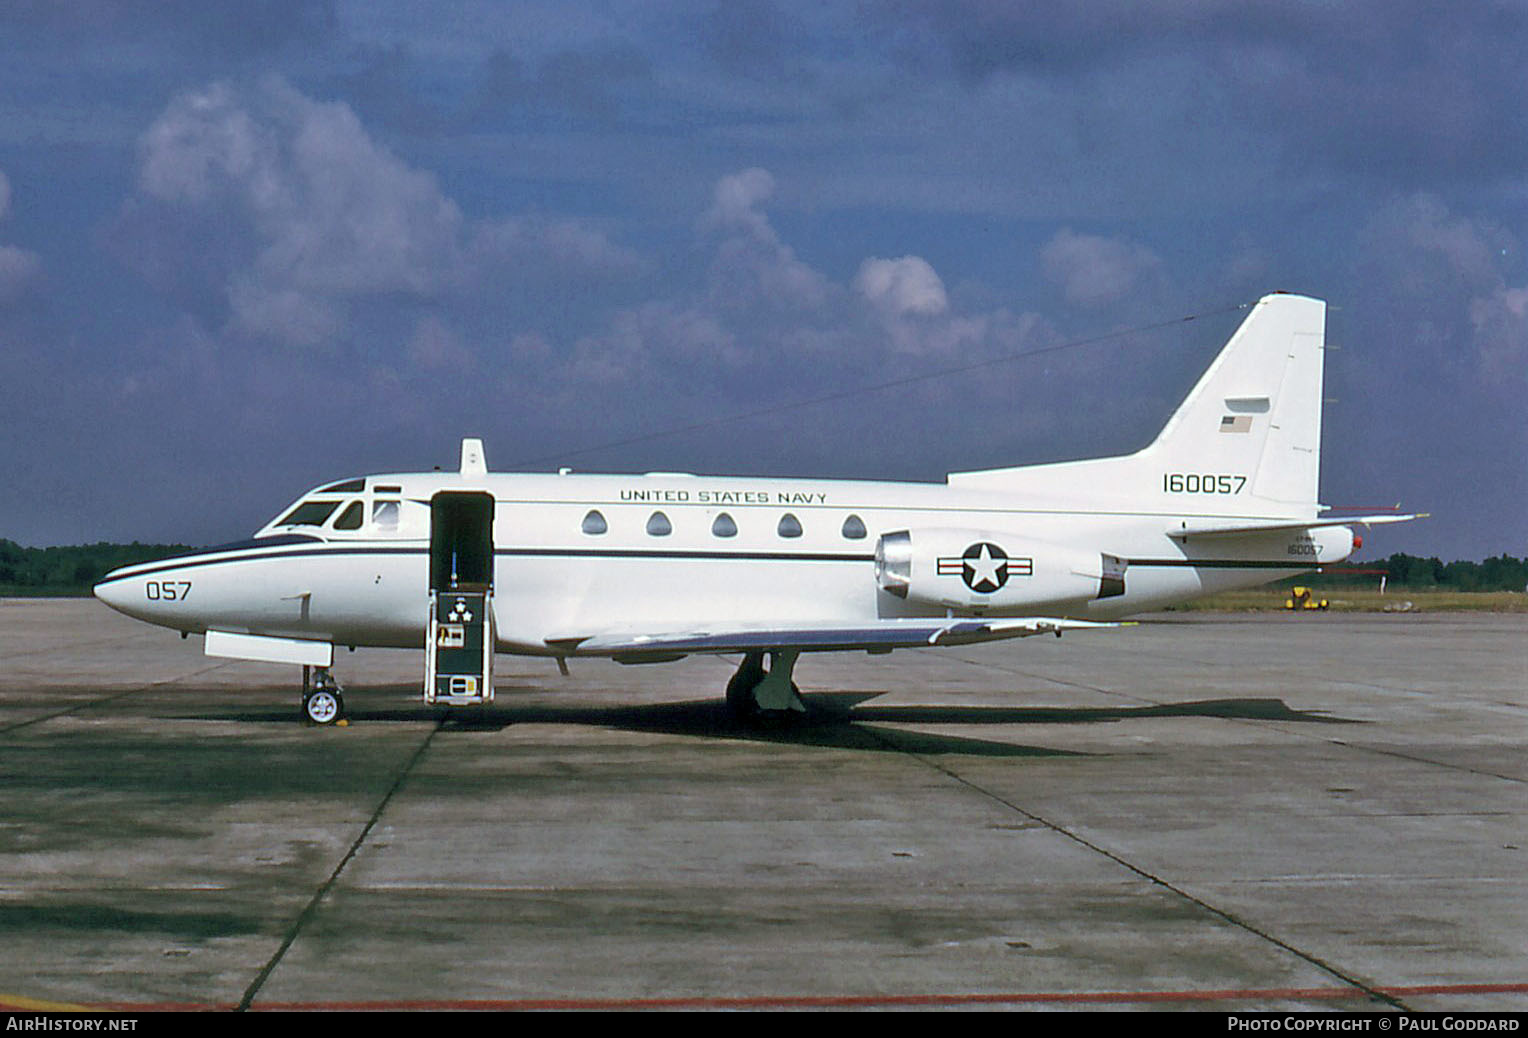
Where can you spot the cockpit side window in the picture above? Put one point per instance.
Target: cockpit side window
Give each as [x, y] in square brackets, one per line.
[384, 515]
[309, 513]
[350, 518]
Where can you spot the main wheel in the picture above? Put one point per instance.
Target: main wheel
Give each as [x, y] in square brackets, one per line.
[777, 718]
[323, 706]
[745, 708]
[740, 696]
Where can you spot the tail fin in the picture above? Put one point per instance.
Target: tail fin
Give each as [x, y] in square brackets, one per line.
[1246, 441]
[1257, 410]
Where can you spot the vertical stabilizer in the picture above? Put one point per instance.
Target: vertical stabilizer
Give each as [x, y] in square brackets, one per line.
[1257, 411]
[1246, 441]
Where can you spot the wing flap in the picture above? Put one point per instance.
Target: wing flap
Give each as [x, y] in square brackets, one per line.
[878, 636]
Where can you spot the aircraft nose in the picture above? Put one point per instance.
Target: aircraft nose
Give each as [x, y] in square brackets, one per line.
[113, 592]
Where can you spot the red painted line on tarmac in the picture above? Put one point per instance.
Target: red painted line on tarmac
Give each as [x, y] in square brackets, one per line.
[825, 1001]
[1459, 989]
[800, 1001]
[18, 1004]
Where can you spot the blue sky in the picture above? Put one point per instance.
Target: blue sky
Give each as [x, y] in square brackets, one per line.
[248, 248]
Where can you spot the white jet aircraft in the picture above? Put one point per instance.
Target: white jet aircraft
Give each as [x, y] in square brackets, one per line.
[652, 568]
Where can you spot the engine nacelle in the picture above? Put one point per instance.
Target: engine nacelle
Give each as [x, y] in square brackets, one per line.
[979, 569]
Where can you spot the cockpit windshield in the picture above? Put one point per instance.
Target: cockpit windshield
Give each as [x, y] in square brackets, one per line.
[309, 513]
[354, 508]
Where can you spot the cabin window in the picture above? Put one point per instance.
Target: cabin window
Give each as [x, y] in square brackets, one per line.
[789, 526]
[723, 526]
[594, 523]
[384, 515]
[658, 525]
[309, 513]
[350, 518]
[854, 528]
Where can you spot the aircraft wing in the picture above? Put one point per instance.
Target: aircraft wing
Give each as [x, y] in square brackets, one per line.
[634, 646]
[1242, 527]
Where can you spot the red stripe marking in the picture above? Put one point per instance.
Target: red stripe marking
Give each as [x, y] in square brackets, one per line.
[829, 1001]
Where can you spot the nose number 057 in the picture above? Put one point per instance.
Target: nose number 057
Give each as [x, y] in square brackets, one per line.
[167, 590]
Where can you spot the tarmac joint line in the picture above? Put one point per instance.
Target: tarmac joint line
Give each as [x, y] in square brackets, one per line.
[311, 908]
[1369, 991]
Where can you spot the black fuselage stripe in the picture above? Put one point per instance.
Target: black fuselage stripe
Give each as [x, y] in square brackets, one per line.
[1225, 563]
[642, 553]
[187, 562]
[191, 561]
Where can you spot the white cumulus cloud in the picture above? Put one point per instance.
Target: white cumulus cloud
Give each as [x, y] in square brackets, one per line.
[902, 286]
[18, 267]
[752, 265]
[307, 226]
[1500, 324]
[1095, 271]
[331, 214]
[736, 200]
[1449, 275]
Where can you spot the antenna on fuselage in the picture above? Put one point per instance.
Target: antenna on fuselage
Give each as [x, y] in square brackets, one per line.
[474, 461]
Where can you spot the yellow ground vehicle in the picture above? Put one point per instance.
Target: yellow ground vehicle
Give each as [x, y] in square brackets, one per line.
[1301, 598]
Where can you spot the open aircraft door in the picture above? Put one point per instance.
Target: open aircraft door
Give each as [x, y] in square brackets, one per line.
[460, 638]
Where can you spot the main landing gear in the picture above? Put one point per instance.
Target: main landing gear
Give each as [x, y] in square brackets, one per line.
[755, 694]
[321, 699]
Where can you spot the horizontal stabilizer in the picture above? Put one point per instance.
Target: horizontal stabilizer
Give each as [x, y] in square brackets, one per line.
[882, 636]
[1240, 528]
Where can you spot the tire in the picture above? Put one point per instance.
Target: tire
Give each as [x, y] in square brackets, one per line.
[740, 697]
[323, 707]
[746, 710]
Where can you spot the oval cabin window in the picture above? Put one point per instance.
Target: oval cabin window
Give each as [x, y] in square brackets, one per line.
[854, 528]
[658, 525]
[724, 526]
[789, 526]
[594, 523]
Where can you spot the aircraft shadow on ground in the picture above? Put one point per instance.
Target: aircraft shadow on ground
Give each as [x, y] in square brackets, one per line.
[845, 720]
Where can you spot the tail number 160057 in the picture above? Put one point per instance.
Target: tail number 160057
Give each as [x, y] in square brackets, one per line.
[1202, 483]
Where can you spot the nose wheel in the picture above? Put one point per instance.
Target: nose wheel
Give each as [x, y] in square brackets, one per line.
[322, 703]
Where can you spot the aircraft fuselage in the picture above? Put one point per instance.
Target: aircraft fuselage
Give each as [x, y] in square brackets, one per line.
[576, 553]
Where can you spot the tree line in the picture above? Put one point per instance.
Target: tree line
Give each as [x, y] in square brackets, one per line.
[1501, 573]
[73, 569]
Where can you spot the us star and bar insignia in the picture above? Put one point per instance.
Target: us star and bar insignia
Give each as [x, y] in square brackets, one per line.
[985, 567]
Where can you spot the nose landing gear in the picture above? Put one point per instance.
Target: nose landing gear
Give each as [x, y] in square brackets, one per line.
[322, 703]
